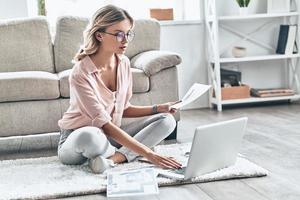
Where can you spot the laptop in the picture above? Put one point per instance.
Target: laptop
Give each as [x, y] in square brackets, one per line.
[215, 146]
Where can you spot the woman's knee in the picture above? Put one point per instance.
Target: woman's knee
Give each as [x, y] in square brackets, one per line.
[169, 122]
[92, 141]
[87, 135]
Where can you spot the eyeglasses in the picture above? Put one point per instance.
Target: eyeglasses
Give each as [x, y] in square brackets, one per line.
[121, 36]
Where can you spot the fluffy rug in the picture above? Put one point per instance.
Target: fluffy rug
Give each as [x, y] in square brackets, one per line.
[44, 178]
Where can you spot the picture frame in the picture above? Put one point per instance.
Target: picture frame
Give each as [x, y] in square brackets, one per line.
[279, 6]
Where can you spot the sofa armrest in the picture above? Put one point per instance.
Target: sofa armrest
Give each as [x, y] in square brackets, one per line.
[151, 62]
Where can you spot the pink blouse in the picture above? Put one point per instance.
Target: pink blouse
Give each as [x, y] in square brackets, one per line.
[91, 102]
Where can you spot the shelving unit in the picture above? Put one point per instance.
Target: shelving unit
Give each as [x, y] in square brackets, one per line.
[215, 61]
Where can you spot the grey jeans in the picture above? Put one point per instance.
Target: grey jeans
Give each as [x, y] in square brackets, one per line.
[76, 146]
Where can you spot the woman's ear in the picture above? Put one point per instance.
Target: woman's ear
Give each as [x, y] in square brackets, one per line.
[98, 36]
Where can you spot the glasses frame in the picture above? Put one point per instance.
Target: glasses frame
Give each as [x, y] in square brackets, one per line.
[126, 35]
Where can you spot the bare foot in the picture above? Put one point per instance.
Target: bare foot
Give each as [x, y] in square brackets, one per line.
[118, 158]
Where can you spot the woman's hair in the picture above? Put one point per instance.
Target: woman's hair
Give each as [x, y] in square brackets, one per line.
[103, 18]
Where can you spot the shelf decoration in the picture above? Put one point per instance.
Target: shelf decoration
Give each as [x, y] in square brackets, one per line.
[162, 14]
[243, 4]
[239, 52]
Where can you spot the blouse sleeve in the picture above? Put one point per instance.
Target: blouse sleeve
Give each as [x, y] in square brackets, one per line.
[88, 102]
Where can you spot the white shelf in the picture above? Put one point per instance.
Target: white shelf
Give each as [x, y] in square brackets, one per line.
[257, 16]
[256, 99]
[258, 58]
[215, 22]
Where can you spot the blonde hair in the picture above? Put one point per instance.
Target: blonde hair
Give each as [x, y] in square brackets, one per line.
[103, 18]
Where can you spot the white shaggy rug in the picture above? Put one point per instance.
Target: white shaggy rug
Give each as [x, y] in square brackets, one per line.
[44, 178]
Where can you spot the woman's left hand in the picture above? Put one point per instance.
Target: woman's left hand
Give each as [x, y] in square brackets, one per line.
[166, 107]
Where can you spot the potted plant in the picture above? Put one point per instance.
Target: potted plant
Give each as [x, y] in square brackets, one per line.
[243, 4]
[41, 7]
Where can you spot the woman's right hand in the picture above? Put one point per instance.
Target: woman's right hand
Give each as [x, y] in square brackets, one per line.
[163, 161]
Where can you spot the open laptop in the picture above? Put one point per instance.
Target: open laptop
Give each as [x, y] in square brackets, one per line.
[214, 146]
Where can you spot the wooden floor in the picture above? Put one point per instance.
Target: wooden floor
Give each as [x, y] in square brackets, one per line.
[272, 141]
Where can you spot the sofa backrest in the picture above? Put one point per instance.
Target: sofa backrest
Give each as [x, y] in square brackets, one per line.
[69, 38]
[67, 41]
[26, 45]
[147, 37]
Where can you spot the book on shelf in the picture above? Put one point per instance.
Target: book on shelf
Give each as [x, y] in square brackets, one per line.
[295, 50]
[271, 92]
[287, 39]
[291, 39]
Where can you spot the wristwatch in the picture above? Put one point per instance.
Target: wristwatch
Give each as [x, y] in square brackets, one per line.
[154, 109]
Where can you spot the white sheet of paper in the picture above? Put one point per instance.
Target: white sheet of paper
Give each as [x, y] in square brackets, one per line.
[192, 94]
[134, 182]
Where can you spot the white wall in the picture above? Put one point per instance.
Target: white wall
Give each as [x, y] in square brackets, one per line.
[17, 8]
[187, 40]
[13, 9]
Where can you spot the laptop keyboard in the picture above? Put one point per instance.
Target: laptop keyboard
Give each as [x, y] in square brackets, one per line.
[178, 171]
[183, 150]
[173, 173]
[181, 155]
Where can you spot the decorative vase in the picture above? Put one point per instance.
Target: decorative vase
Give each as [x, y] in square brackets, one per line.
[239, 52]
[243, 10]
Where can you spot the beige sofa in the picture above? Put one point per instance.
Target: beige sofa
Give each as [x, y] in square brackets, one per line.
[34, 69]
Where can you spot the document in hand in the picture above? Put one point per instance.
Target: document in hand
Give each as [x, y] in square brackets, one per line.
[132, 182]
[192, 94]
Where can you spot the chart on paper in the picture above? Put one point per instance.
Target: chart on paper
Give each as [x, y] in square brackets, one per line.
[192, 94]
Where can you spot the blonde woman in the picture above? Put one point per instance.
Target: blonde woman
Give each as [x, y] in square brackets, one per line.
[100, 90]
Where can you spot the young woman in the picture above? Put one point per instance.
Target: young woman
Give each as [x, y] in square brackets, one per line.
[100, 90]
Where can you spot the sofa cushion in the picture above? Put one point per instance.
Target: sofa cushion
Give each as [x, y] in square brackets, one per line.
[26, 45]
[152, 62]
[29, 85]
[64, 83]
[141, 83]
[68, 39]
[29, 118]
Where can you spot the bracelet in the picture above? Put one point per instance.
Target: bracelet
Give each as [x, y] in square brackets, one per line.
[154, 109]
